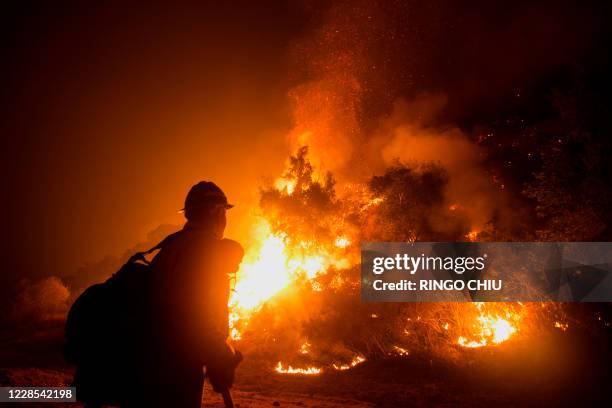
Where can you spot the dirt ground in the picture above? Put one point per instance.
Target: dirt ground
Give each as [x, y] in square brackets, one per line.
[245, 395]
[565, 370]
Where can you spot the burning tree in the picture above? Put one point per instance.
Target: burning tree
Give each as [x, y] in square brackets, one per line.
[413, 197]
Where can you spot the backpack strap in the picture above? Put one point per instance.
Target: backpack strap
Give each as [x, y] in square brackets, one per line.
[141, 256]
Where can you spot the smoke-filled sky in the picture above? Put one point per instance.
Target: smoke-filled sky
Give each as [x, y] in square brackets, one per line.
[111, 112]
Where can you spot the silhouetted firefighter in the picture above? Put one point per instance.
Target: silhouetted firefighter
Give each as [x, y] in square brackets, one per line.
[143, 337]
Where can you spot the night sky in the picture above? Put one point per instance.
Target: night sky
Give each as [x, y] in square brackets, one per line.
[111, 112]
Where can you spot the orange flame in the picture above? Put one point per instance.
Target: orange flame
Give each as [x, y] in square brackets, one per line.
[491, 328]
[357, 360]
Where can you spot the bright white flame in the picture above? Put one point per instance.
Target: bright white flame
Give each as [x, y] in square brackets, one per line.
[234, 333]
[272, 264]
[283, 184]
[342, 242]
[264, 277]
[312, 265]
[291, 370]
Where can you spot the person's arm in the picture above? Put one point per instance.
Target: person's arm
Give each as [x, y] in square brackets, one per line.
[222, 359]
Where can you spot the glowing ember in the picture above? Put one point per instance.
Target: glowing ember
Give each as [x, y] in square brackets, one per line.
[491, 328]
[291, 370]
[472, 235]
[561, 326]
[305, 348]
[372, 202]
[400, 351]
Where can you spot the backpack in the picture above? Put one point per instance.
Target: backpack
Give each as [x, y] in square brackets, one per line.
[105, 329]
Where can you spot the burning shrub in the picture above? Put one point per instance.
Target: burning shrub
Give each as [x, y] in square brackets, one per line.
[297, 300]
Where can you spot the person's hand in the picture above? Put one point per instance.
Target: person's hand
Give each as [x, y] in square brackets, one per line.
[233, 253]
[221, 376]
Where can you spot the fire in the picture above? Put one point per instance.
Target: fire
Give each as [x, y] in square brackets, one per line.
[281, 369]
[291, 370]
[400, 351]
[371, 203]
[342, 242]
[491, 328]
[287, 251]
[353, 363]
[283, 184]
[272, 264]
[263, 273]
[234, 333]
[472, 235]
